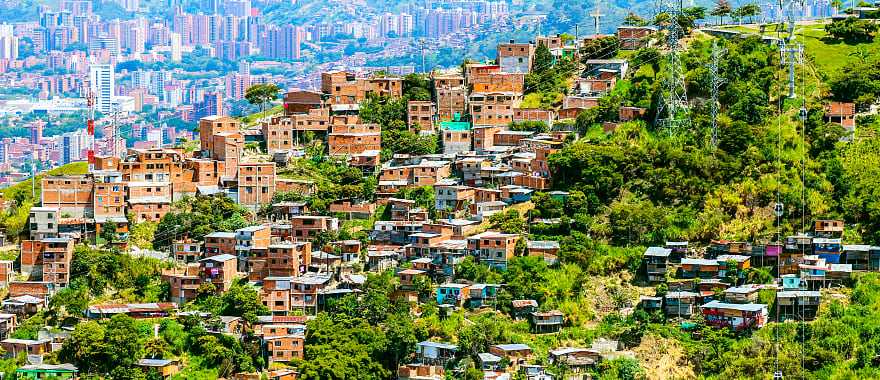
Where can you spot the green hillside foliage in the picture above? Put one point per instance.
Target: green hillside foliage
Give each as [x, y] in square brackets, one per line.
[195, 217]
[642, 185]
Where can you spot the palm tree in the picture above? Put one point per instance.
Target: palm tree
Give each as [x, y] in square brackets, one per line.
[750, 11]
[837, 5]
[722, 8]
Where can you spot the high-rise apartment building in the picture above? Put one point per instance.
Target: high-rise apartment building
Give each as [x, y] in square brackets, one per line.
[101, 85]
[8, 43]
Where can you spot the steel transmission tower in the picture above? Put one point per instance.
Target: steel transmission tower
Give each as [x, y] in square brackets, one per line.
[717, 81]
[791, 51]
[673, 111]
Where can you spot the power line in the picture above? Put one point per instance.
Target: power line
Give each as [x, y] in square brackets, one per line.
[674, 101]
[717, 81]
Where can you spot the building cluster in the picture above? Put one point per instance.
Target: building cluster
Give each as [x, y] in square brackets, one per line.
[714, 283]
[71, 37]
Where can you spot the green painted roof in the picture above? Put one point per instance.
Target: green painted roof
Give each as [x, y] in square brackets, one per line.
[455, 125]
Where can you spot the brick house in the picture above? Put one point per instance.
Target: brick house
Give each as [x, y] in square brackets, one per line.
[450, 93]
[305, 227]
[301, 101]
[211, 125]
[187, 251]
[843, 113]
[420, 115]
[69, 194]
[346, 140]
[219, 270]
[515, 57]
[493, 248]
[493, 108]
[634, 37]
[256, 184]
[183, 282]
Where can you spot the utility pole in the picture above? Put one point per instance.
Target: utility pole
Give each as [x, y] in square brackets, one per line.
[422, 43]
[90, 128]
[717, 81]
[34, 175]
[674, 103]
[113, 132]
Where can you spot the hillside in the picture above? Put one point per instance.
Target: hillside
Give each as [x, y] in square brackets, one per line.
[73, 168]
[828, 55]
[574, 270]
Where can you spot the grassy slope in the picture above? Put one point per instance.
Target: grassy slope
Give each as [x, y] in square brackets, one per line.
[828, 55]
[251, 120]
[25, 186]
[13, 220]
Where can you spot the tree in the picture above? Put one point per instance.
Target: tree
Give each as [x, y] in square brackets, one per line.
[689, 17]
[216, 354]
[695, 13]
[243, 300]
[124, 341]
[142, 234]
[262, 94]
[837, 5]
[543, 60]
[86, 348]
[633, 19]
[748, 10]
[345, 349]
[621, 369]
[861, 54]
[599, 48]
[860, 84]
[722, 8]
[401, 334]
[108, 232]
[195, 217]
[70, 301]
[416, 87]
[852, 30]
[509, 222]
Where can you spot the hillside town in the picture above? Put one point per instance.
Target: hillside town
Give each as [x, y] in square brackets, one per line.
[664, 202]
[486, 167]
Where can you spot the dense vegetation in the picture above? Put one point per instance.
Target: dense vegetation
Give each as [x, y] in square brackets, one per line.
[196, 217]
[391, 115]
[642, 185]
